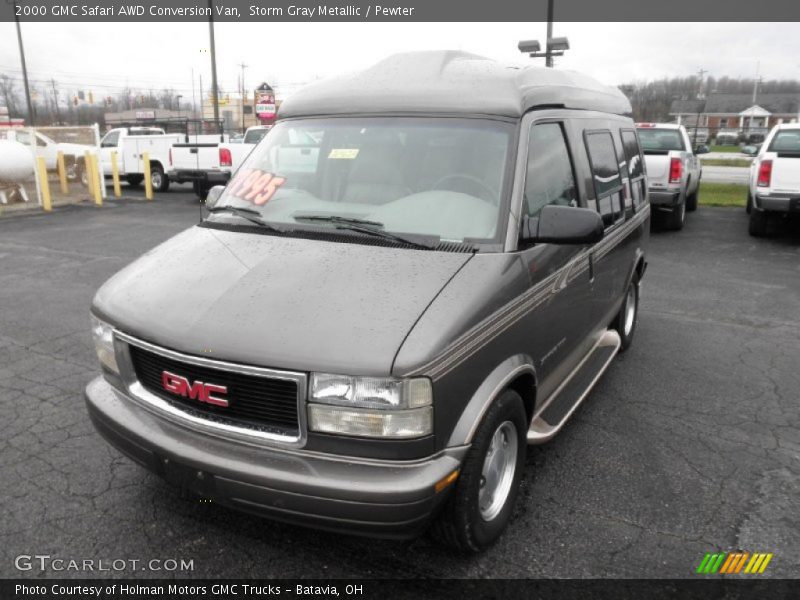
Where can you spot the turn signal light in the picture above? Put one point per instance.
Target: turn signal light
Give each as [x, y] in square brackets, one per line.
[765, 173]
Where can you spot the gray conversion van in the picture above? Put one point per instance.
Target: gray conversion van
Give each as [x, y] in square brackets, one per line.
[422, 268]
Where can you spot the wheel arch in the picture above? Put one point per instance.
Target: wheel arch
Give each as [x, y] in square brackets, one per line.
[517, 373]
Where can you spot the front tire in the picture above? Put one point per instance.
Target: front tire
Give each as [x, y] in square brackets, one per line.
[628, 316]
[483, 497]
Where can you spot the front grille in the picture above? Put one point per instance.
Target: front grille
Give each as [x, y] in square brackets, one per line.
[252, 400]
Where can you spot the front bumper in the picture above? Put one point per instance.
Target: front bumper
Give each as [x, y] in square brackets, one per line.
[664, 198]
[393, 499]
[783, 204]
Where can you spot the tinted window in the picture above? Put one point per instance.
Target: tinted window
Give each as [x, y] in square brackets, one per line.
[633, 156]
[549, 178]
[605, 169]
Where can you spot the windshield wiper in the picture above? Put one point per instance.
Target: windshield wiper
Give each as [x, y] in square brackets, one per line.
[248, 214]
[363, 226]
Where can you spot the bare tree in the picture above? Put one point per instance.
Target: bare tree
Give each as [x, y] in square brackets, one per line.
[8, 93]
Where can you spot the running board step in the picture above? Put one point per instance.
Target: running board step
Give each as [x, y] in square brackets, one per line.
[568, 397]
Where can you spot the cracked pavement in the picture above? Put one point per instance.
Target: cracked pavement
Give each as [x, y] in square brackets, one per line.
[689, 444]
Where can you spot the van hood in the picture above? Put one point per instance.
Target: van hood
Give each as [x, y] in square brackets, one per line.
[295, 304]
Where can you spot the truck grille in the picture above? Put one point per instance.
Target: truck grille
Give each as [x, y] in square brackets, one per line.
[252, 400]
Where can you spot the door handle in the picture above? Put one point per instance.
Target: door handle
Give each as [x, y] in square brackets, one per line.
[193, 151]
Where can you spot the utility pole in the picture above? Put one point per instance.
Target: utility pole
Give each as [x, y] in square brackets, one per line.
[548, 57]
[55, 101]
[31, 115]
[194, 106]
[214, 87]
[700, 95]
[244, 66]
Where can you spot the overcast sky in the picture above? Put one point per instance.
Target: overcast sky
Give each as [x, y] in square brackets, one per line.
[105, 57]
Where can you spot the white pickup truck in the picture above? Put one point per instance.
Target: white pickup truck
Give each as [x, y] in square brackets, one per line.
[130, 144]
[48, 149]
[673, 170]
[775, 178]
[207, 163]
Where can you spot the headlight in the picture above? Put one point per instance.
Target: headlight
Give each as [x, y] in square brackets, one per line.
[103, 335]
[371, 406]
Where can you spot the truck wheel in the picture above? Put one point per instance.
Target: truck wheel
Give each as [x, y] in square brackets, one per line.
[759, 219]
[628, 316]
[749, 206]
[200, 189]
[691, 201]
[483, 497]
[134, 180]
[677, 217]
[158, 178]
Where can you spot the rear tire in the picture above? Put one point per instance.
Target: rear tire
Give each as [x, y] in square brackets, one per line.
[691, 201]
[677, 217]
[134, 180]
[749, 206]
[158, 179]
[759, 220]
[474, 517]
[628, 316]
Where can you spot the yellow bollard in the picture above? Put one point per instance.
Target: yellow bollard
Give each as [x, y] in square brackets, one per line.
[62, 173]
[115, 174]
[148, 185]
[98, 192]
[87, 166]
[44, 185]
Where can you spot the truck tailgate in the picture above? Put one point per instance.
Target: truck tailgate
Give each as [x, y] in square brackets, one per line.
[195, 156]
[786, 173]
[657, 167]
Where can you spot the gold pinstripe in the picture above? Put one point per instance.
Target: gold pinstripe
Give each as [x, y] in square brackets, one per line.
[511, 313]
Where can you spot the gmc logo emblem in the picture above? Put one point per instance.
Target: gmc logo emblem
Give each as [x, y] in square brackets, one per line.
[202, 392]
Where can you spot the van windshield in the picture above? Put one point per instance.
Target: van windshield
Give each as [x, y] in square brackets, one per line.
[440, 178]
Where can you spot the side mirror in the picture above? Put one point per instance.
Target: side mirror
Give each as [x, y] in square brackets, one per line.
[564, 225]
[213, 195]
[702, 149]
[750, 150]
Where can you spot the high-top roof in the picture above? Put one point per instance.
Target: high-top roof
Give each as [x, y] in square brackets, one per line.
[452, 82]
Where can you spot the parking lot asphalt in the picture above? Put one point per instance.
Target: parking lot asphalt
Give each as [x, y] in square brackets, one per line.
[689, 444]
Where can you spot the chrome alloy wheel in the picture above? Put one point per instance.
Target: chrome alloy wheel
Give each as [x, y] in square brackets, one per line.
[498, 471]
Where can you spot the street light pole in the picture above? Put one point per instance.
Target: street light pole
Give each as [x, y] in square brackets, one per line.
[31, 116]
[214, 88]
[244, 66]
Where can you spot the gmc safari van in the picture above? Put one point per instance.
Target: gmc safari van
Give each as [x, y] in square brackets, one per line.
[422, 268]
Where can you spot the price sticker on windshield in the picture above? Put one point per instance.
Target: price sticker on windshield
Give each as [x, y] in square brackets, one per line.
[255, 186]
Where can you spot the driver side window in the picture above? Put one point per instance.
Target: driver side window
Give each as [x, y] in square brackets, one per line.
[549, 177]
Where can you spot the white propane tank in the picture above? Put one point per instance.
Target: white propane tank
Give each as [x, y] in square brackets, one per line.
[16, 162]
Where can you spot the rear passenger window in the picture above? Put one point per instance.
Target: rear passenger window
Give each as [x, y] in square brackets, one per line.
[549, 178]
[635, 162]
[606, 175]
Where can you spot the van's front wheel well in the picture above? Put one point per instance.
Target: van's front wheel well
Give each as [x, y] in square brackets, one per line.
[525, 386]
